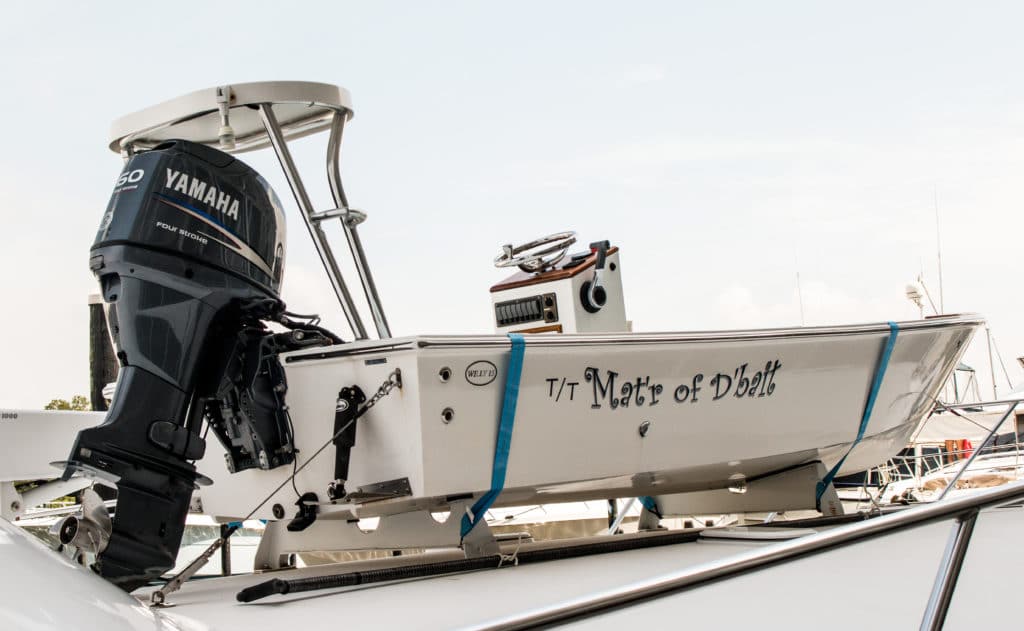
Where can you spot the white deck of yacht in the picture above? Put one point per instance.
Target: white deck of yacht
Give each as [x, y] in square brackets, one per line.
[882, 583]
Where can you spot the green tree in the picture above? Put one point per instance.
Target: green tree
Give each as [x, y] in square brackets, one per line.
[78, 403]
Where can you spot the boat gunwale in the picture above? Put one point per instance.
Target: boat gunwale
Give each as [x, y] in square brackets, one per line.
[364, 347]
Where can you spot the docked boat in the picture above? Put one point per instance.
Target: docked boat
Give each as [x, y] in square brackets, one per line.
[313, 433]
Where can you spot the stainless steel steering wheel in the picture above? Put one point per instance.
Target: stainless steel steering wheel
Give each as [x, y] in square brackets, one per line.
[537, 255]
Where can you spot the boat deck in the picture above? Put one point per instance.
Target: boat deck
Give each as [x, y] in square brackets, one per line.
[883, 582]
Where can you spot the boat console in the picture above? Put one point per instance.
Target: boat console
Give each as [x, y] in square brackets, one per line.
[555, 292]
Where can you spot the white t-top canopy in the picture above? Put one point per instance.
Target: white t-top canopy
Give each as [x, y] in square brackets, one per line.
[301, 107]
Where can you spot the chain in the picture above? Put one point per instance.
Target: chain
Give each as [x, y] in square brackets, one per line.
[157, 598]
[393, 381]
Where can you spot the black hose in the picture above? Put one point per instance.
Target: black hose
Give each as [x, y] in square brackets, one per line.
[350, 579]
[305, 326]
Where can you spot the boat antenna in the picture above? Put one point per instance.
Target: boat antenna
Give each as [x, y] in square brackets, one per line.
[938, 248]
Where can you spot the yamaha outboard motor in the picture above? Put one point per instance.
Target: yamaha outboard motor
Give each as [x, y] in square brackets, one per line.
[189, 257]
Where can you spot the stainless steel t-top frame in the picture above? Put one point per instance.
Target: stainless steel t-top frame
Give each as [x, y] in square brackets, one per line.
[249, 116]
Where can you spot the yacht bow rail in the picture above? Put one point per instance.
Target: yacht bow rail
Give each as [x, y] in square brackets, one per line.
[962, 511]
[991, 435]
[894, 470]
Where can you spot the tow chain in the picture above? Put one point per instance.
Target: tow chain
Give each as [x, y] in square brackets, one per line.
[158, 598]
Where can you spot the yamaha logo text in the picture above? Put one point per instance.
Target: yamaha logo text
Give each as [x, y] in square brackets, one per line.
[202, 192]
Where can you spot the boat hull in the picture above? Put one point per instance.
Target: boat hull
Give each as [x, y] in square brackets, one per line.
[599, 416]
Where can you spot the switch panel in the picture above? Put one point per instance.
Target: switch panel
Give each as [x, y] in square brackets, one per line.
[540, 308]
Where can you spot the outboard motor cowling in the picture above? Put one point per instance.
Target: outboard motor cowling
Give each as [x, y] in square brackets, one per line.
[189, 256]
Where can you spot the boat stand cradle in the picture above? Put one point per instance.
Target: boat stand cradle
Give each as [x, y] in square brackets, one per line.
[418, 529]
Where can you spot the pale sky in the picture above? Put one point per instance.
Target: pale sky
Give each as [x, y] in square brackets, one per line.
[723, 146]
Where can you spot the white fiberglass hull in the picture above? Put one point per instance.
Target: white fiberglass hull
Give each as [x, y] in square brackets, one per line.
[717, 406]
[47, 594]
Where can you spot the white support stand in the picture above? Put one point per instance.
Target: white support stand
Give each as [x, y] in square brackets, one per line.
[830, 504]
[12, 504]
[41, 437]
[789, 490]
[480, 542]
[394, 532]
[648, 520]
[15, 504]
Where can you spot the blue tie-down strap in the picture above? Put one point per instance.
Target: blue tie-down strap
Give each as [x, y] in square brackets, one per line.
[651, 505]
[876, 385]
[504, 442]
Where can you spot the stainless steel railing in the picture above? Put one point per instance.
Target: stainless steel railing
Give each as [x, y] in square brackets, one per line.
[892, 470]
[963, 511]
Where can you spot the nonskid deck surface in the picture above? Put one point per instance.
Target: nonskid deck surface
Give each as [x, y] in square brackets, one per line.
[829, 588]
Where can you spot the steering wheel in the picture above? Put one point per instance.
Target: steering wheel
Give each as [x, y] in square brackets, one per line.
[537, 255]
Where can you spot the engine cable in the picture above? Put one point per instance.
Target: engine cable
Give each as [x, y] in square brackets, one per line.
[158, 598]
